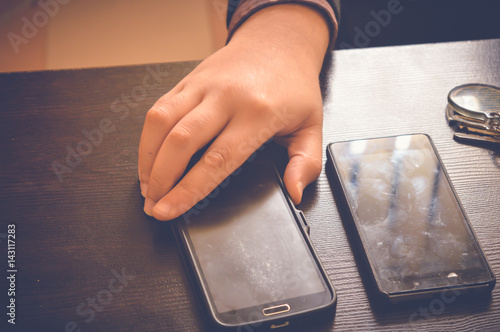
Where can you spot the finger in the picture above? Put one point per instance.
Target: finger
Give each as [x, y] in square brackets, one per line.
[188, 136]
[305, 163]
[160, 120]
[164, 98]
[228, 152]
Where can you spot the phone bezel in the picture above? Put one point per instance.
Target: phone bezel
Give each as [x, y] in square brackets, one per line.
[317, 304]
[397, 297]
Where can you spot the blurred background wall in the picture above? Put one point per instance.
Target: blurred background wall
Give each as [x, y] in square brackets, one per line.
[57, 34]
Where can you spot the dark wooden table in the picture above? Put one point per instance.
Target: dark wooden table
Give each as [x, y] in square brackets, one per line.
[88, 258]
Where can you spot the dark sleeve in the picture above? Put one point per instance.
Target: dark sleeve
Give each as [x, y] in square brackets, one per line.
[239, 10]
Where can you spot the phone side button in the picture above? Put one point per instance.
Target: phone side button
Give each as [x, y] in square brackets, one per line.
[304, 223]
[275, 326]
[278, 309]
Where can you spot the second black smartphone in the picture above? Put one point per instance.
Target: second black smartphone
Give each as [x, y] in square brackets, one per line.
[413, 230]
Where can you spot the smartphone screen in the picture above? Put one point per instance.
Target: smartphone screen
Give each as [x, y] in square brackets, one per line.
[251, 252]
[414, 231]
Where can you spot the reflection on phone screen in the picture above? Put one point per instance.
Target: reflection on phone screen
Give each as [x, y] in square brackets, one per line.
[249, 246]
[414, 231]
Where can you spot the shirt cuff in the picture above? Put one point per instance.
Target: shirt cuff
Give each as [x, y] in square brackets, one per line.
[247, 8]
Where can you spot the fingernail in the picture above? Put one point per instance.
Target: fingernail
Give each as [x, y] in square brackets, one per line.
[162, 210]
[300, 187]
[148, 206]
[144, 189]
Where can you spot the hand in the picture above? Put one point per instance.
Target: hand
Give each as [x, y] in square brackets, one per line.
[263, 84]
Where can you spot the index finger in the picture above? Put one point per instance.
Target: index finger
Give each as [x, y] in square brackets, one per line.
[160, 120]
[228, 152]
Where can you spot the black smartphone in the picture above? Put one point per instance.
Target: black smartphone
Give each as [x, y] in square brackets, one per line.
[248, 252]
[414, 232]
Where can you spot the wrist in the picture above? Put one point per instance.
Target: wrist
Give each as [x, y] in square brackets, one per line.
[298, 31]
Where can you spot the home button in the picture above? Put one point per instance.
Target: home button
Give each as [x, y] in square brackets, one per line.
[278, 309]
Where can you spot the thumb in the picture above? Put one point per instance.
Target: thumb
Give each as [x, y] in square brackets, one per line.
[305, 163]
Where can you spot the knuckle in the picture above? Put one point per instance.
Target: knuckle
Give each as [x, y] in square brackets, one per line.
[228, 88]
[158, 186]
[261, 105]
[158, 114]
[187, 189]
[257, 101]
[163, 111]
[156, 181]
[180, 136]
[216, 159]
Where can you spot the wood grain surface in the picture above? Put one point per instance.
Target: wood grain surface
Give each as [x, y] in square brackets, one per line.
[84, 237]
